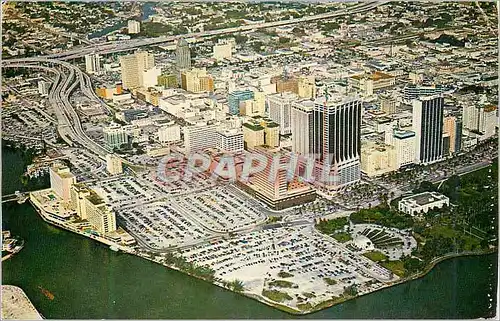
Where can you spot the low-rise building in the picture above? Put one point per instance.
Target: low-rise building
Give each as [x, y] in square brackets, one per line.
[421, 203]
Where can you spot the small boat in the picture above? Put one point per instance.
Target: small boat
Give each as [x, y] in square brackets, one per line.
[47, 293]
[114, 248]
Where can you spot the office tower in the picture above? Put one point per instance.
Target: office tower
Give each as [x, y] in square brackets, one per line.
[167, 81]
[93, 64]
[274, 186]
[183, 55]
[337, 137]
[458, 136]
[405, 144]
[306, 87]
[133, 67]
[411, 92]
[134, 27]
[280, 110]
[236, 97]
[169, 133]
[377, 159]
[61, 180]
[149, 77]
[450, 128]
[428, 128]
[115, 136]
[302, 126]
[113, 165]
[43, 88]
[481, 120]
[197, 81]
[446, 144]
[199, 137]
[388, 104]
[260, 131]
[222, 51]
[230, 140]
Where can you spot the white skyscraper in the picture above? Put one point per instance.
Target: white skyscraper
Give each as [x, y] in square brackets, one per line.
[301, 125]
[133, 26]
[93, 64]
[280, 110]
[133, 67]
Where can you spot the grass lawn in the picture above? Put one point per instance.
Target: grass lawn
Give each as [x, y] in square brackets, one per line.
[342, 237]
[283, 274]
[276, 296]
[397, 267]
[330, 281]
[281, 284]
[375, 256]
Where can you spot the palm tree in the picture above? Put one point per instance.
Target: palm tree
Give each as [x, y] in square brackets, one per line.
[237, 286]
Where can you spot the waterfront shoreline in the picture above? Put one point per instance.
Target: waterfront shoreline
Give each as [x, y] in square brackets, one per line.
[284, 308]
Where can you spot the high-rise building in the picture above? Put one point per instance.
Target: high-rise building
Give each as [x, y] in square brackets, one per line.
[411, 92]
[337, 138]
[99, 214]
[230, 140]
[274, 185]
[377, 159]
[306, 87]
[199, 137]
[169, 133]
[115, 136]
[388, 104]
[302, 126]
[43, 88]
[197, 81]
[260, 131]
[78, 194]
[404, 144]
[450, 128]
[183, 55]
[61, 180]
[133, 67]
[279, 106]
[167, 81]
[236, 97]
[134, 27]
[93, 64]
[481, 120]
[113, 165]
[222, 51]
[428, 128]
[149, 77]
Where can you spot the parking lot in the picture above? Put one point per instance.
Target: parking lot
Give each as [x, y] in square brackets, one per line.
[219, 209]
[257, 258]
[160, 225]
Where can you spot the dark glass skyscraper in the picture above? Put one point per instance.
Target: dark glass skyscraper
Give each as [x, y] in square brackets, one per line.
[428, 127]
[183, 55]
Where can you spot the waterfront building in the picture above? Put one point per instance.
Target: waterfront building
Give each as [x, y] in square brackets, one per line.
[279, 106]
[93, 64]
[113, 165]
[78, 194]
[134, 27]
[421, 203]
[236, 97]
[428, 128]
[99, 213]
[61, 180]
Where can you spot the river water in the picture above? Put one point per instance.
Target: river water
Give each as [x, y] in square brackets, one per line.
[90, 281]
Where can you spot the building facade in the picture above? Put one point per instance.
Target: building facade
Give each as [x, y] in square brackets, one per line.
[61, 180]
[428, 128]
